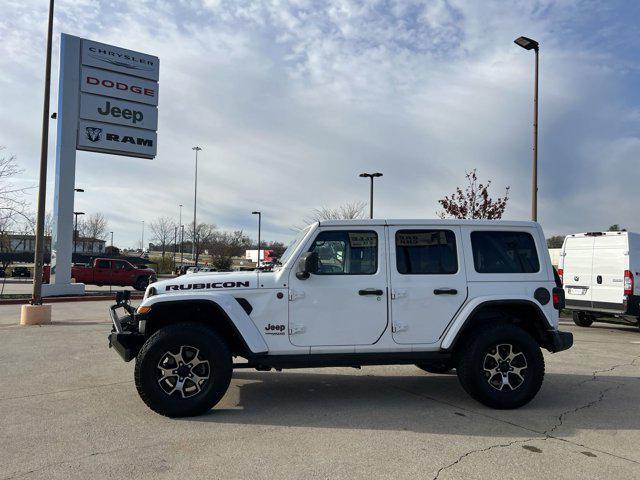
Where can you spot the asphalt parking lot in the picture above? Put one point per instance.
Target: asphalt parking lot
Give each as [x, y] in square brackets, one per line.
[70, 410]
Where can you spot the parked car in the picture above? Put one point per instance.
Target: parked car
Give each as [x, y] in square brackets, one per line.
[192, 270]
[599, 273]
[181, 269]
[21, 272]
[105, 271]
[2, 272]
[475, 296]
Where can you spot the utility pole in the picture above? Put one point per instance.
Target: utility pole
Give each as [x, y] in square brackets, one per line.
[36, 298]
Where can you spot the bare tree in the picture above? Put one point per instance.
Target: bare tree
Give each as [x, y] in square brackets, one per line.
[474, 201]
[13, 206]
[223, 246]
[95, 226]
[204, 232]
[346, 211]
[162, 231]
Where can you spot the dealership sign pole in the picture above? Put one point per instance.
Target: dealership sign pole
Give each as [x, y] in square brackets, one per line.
[108, 98]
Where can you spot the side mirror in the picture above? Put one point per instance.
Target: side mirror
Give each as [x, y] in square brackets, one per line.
[307, 265]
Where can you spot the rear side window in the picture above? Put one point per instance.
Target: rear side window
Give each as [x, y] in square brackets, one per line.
[342, 252]
[504, 252]
[426, 252]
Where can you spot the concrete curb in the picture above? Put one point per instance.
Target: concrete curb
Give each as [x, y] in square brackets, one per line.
[47, 300]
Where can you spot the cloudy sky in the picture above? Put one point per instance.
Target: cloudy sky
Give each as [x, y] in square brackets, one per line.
[291, 99]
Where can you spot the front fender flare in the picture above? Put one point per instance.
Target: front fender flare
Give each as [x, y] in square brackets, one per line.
[470, 308]
[242, 323]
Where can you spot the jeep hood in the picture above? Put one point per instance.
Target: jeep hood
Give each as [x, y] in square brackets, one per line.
[208, 281]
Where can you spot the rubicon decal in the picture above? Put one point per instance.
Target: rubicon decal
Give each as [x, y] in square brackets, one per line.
[208, 285]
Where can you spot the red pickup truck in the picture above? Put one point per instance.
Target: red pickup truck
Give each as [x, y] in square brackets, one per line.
[106, 271]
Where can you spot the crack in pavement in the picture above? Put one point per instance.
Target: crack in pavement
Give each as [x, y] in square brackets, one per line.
[546, 435]
[91, 387]
[601, 394]
[479, 450]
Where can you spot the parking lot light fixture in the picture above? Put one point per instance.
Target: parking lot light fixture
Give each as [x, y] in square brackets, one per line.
[371, 176]
[530, 44]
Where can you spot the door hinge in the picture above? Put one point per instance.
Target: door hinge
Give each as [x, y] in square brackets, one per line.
[297, 328]
[293, 295]
[398, 294]
[399, 327]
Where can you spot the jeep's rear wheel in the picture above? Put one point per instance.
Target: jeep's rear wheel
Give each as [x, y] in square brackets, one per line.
[436, 366]
[582, 319]
[501, 367]
[183, 370]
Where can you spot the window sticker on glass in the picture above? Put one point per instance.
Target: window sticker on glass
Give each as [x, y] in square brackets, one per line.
[362, 239]
[421, 239]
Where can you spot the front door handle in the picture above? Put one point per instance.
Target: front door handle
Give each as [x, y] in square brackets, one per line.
[445, 291]
[370, 291]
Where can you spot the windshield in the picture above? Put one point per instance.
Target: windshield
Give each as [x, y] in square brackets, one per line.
[293, 245]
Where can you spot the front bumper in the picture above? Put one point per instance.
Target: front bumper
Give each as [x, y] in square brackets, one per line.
[560, 340]
[124, 337]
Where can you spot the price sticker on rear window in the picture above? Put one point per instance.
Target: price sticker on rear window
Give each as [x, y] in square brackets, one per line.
[363, 239]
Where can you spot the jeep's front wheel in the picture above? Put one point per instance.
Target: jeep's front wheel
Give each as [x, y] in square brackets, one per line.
[183, 370]
[501, 367]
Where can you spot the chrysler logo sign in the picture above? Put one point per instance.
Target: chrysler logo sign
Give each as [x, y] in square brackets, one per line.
[120, 59]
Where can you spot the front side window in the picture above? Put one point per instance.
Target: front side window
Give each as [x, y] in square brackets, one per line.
[426, 252]
[504, 252]
[346, 252]
[103, 264]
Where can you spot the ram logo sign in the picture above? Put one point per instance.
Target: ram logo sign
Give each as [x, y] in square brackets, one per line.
[101, 137]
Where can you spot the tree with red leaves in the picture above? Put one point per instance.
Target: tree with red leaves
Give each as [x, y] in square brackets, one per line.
[474, 202]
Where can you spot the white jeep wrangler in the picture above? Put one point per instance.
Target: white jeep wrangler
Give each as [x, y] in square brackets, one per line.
[475, 296]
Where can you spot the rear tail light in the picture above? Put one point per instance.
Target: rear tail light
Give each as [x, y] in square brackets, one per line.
[628, 282]
[560, 274]
[558, 298]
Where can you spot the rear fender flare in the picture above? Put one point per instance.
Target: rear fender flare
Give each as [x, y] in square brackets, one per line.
[240, 321]
[466, 314]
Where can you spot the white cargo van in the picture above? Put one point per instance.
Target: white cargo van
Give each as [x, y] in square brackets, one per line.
[599, 272]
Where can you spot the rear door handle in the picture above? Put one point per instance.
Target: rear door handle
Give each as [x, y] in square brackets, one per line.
[445, 291]
[370, 291]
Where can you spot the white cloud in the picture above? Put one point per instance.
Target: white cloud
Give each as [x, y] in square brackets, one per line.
[290, 100]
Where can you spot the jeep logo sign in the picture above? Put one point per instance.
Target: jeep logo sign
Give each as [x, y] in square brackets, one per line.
[111, 110]
[101, 137]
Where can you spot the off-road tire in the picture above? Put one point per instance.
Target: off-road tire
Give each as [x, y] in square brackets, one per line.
[141, 284]
[211, 347]
[474, 378]
[582, 319]
[441, 367]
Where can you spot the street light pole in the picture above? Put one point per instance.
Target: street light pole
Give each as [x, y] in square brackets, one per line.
[181, 232]
[75, 230]
[195, 201]
[259, 232]
[529, 44]
[142, 241]
[42, 181]
[371, 176]
[111, 242]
